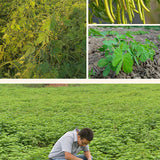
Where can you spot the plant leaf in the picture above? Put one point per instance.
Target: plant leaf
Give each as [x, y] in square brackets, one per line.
[127, 63]
[119, 67]
[95, 32]
[110, 42]
[106, 71]
[144, 56]
[41, 38]
[30, 51]
[103, 33]
[124, 46]
[103, 62]
[142, 53]
[109, 58]
[46, 24]
[121, 36]
[129, 35]
[117, 58]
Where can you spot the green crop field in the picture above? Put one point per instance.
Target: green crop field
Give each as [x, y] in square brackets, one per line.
[125, 119]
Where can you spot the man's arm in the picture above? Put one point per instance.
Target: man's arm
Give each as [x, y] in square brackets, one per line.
[69, 156]
[87, 154]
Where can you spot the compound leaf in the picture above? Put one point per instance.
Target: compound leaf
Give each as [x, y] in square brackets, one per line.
[144, 56]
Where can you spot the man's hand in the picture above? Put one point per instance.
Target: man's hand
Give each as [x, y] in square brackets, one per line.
[69, 156]
[88, 155]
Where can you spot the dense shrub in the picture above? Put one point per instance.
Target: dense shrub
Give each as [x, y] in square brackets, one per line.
[43, 39]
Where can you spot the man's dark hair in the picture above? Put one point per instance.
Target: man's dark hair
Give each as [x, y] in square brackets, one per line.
[86, 133]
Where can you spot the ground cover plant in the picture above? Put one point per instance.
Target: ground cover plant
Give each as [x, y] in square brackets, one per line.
[119, 11]
[118, 50]
[43, 39]
[126, 123]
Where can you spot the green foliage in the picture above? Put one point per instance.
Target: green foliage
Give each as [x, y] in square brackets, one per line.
[122, 53]
[94, 32]
[39, 42]
[157, 28]
[126, 126]
[91, 72]
[139, 32]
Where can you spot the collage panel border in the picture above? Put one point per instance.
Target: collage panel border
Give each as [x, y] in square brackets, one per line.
[86, 80]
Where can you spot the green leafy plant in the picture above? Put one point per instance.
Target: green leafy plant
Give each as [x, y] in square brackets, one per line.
[123, 51]
[94, 32]
[38, 42]
[139, 32]
[91, 73]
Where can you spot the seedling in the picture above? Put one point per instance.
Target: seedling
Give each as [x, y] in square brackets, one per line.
[91, 73]
[123, 51]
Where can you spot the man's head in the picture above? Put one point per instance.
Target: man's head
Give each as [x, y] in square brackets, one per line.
[85, 136]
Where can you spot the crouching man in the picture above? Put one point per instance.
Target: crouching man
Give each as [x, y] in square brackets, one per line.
[70, 144]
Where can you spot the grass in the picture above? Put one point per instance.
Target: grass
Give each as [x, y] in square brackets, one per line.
[125, 119]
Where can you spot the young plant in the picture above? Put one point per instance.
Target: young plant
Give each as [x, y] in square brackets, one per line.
[121, 53]
[91, 73]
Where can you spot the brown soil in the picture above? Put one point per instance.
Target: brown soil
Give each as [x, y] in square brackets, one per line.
[146, 70]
